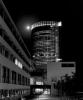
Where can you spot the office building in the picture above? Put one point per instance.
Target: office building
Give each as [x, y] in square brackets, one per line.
[45, 41]
[15, 62]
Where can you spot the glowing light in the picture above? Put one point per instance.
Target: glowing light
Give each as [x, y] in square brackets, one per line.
[18, 63]
[59, 24]
[47, 91]
[28, 27]
[39, 83]
[38, 90]
[44, 23]
[58, 59]
[31, 81]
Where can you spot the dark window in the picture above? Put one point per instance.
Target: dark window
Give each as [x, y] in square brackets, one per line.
[13, 77]
[1, 33]
[0, 73]
[67, 64]
[25, 81]
[19, 79]
[6, 53]
[11, 57]
[25, 69]
[2, 49]
[28, 81]
[22, 80]
[6, 75]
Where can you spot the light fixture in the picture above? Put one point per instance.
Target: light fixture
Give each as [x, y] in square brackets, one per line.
[59, 23]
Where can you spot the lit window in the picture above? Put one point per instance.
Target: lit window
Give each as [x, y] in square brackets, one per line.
[39, 83]
[18, 63]
[38, 90]
[59, 24]
[31, 81]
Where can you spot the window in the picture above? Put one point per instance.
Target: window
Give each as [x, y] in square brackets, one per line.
[19, 79]
[1, 33]
[2, 49]
[28, 81]
[11, 57]
[25, 69]
[0, 73]
[6, 53]
[22, 80]
[18, 63]
[67, 64]
[6, 75]
[13, 77]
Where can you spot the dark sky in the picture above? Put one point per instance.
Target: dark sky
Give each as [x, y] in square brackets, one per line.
[65, 10]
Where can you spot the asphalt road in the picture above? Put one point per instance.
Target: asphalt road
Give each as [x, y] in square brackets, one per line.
[48, 97]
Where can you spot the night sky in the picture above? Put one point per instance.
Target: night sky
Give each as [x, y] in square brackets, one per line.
[30, 11]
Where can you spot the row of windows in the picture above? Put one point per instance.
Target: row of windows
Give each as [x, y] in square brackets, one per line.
[12, 28]
[4, 51]
[13, 77]
[3, 34]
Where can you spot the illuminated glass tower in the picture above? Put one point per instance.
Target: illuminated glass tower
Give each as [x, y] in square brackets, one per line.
[45, 40]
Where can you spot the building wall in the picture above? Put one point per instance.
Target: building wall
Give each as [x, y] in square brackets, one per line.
[56, 70]
[11, 37]
[14, 80]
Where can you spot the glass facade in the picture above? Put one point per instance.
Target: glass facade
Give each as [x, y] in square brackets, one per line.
[45, 39]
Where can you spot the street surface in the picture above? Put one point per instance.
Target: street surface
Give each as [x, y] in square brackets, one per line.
[48, 97]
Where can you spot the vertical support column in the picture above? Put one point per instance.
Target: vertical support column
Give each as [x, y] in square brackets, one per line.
[10, 77]
[56, 41]
[57, 47]
[0, 80]
[16, 78]
[0, 73]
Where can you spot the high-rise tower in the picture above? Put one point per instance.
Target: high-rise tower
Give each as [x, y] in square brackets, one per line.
[45, 40]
